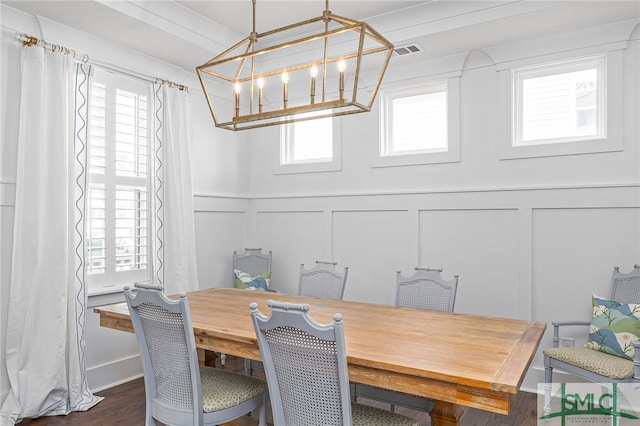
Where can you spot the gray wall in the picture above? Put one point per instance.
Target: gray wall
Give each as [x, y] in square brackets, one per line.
[531, 238]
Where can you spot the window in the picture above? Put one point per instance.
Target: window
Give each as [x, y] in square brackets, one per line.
[309, 145]
[307, 141]
[560, 102]
[419, 124]
[561, 105]
[118, 198]
[416, 123]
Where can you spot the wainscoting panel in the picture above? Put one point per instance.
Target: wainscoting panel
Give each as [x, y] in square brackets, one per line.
[526, 253]
[113, 356]
[294, 237]
[218, 234]
[482, 247]
[574, 252]
[374, 245]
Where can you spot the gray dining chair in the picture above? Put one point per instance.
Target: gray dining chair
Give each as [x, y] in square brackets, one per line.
[252, 261]
[306, 368]
[424, 289]
[323, 280]
[177, 390]
[590, 364]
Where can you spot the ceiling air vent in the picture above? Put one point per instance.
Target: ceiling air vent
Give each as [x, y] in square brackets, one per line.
[407, 49]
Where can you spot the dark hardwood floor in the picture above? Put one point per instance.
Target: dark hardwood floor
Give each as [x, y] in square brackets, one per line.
[124, 405]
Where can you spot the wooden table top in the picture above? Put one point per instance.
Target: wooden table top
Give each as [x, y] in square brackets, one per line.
[471, 360]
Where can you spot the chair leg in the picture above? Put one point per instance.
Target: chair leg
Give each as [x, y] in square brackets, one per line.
[148, 415]
[262, 414]
[548, 378]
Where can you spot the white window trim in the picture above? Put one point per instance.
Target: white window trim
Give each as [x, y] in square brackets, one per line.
[613, 111]
[311, 166]
[452, 155]
[572, 65]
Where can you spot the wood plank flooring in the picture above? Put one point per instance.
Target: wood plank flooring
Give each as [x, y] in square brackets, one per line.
[124, 405]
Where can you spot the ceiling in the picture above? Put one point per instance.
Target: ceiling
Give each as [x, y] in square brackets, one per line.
[187, 33]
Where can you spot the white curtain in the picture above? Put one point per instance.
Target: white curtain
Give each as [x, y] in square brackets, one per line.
[175, 243]
[45, 328]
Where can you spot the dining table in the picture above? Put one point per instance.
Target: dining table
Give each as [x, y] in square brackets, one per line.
[456, 359]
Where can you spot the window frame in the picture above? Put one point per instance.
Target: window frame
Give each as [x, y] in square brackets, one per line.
[112, 280]
[380, 155]
[553, 69]
[308, 166]
[611, 138]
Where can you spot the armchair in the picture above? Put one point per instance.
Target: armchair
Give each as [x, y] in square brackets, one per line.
[591, 364]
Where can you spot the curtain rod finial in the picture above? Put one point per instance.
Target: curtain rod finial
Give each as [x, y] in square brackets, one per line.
[28, 40]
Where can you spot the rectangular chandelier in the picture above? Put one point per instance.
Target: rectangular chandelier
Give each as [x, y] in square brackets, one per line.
[322, 67]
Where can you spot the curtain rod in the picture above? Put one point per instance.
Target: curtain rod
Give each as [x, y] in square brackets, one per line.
[28, 41]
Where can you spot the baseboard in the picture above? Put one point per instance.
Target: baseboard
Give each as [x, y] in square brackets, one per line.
[114, 373]
[535, 375]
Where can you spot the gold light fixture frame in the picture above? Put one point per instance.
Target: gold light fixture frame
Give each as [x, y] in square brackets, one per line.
[225, 76]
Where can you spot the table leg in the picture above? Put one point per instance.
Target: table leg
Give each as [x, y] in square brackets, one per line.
[201, 356]
[445, 414]
[210, 358]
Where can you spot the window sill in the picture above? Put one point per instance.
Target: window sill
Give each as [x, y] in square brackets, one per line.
[415, 159]
[327, 166]
[105, 296]
[612, 144]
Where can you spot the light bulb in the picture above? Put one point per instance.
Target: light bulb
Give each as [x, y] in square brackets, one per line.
[237, 87]
[314, 72]
[260, 84]
[342, 65]
[285, 76]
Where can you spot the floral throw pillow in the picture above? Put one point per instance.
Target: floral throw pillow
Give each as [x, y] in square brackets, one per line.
[614, 327]
[246, 281]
